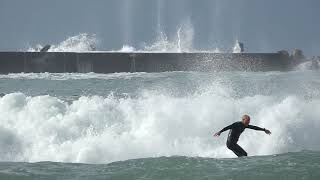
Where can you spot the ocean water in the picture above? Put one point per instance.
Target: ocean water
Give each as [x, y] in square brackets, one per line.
[301, 165]
[158, 125]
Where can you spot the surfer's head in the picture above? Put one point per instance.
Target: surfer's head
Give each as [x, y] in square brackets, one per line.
[246, 120]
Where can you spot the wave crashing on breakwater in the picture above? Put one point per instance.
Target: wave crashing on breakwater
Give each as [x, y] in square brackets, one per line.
[180, 42]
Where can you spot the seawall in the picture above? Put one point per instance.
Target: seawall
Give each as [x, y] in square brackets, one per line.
[111, 62]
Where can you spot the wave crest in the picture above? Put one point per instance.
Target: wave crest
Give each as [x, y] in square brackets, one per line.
[107, 129]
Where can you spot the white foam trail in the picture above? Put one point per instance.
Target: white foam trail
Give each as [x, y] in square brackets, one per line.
[78, 76]
[79, 43]
[101, 130]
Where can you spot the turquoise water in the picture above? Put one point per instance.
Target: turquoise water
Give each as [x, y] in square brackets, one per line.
[289, 166]
[158, 125]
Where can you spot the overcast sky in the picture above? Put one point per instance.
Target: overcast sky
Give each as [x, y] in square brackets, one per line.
[263, 25]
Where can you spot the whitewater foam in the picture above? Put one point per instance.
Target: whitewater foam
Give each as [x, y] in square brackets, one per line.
[76, 76]
[106, 129]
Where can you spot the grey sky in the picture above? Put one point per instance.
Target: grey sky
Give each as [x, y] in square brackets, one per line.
[263, 25]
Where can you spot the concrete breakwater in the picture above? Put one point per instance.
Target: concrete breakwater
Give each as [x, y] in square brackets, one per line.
[111, 62]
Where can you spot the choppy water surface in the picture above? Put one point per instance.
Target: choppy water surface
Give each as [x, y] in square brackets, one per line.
[302, 165]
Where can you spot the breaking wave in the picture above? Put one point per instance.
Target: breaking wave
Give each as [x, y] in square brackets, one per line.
[99, 129]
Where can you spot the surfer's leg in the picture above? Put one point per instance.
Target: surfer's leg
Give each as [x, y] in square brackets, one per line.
[236, 149]
[240, 151]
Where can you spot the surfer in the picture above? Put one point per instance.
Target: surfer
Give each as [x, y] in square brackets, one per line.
[235, 131]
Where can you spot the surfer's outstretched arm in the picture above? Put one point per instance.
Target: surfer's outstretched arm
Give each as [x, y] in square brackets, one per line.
[224, 129]
[259, 129]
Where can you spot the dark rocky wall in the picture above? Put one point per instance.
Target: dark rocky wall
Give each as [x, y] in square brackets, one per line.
[107, 62]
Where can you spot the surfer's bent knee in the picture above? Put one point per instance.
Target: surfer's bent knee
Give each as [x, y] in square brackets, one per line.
[230, 145]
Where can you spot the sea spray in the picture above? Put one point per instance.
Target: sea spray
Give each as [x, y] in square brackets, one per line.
[181, 41]
[106, 129]
[79, 43]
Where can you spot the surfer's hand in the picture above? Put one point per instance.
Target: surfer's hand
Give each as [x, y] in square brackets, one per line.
[267, 131]
[217, 134]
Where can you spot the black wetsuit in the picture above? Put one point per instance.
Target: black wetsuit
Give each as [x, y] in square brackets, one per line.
[235, 131]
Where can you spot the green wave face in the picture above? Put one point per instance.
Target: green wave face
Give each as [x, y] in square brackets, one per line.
[300, 165]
